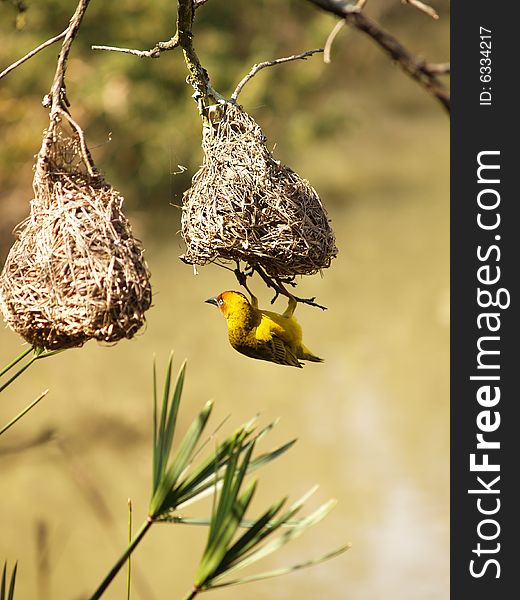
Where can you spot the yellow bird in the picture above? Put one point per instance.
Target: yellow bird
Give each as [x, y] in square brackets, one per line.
[263, 334]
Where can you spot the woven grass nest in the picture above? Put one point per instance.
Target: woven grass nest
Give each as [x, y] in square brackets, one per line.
[75, 272]
[245, 205]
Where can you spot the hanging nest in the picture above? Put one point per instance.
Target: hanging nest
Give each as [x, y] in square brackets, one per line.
[75, 272]
[244, 205]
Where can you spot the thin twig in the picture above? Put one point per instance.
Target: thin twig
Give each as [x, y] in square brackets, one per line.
[414, 66]
[278, 285]
[33, 53]
[269, 63]
[198, 77]
[424, 8]
[330, 40]
[309, 301]
[154, 52]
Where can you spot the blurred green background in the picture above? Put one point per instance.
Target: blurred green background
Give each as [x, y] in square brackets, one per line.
[372, 421]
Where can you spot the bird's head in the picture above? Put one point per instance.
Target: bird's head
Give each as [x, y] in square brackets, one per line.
[230, 302]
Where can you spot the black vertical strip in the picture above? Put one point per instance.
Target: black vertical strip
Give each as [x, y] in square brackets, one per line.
[484, 510]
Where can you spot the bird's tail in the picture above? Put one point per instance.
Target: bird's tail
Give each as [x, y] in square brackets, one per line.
[308, 355]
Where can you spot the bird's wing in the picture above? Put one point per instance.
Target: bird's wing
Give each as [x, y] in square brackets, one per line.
[273, 350]
[282, 353]
[288, 329]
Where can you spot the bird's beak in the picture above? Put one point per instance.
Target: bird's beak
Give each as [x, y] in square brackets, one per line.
[212, 301]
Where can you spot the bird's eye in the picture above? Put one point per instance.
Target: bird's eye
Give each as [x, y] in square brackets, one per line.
[220, 301]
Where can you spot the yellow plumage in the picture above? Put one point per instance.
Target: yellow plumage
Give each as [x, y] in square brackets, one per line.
[263, 334]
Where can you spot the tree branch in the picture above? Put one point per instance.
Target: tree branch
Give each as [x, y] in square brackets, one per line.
[269, 63]
[414, 66]
[198, 77]
[58, 94]
[33, 53]
[160, 47]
